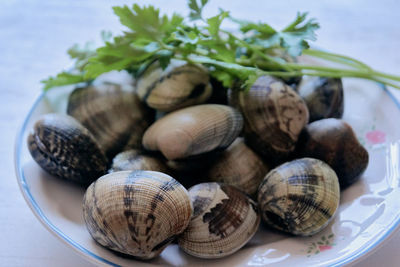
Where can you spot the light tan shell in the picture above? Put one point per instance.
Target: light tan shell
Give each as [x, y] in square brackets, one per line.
[136, 213]
[179, 85]
[224, 220]
[238, 166]
[274, 115]
[299, 197]
[193, 131]
[111, 114]
[133, 160]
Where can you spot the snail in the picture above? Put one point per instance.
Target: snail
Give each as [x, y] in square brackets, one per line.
[136, 213]
[223, 221]
[66, 149]
[115, 117]
[299, 197]
[323, 96]
[131, 160]
[193, 131]
[334, 142]
[274, 115]
[179, 85]
[238, 166]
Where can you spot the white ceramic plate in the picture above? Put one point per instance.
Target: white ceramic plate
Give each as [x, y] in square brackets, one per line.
[369, 210]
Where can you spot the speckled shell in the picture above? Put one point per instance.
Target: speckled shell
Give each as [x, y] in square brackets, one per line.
[238, 166]
[66, 149]
[299, 197]
[323, 96]
[132, 160]
[334, 142]
[179, 85]
[193, 131]
[223, 221]
[136, 213]
[274, 115]
[114, 116]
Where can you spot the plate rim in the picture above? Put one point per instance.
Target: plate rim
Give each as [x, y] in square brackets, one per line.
[94, 258]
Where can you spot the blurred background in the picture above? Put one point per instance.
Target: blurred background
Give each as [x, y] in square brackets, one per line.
[34, 37]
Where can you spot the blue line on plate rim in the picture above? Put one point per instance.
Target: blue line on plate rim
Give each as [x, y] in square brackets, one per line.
[28, 196]
[24, 187]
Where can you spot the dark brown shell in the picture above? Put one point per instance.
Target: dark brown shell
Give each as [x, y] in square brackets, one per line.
[115, 117]
[66, 149]
[132, 160]
[274, 115]
[238, 166]
[334, 142]
[299, 197]
[224, 220]
[323, 96]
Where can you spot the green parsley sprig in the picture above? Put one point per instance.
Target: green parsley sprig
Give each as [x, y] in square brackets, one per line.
[253, 49]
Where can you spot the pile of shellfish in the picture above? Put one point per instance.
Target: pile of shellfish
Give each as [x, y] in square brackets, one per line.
[181, 158]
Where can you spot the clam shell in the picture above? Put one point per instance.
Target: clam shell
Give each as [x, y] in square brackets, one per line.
[132, 160]
[66, 149]
[136, 213]
[274, 115]
[299, 197]
[323, 96]
[223, 221]
[193, 131]
[334, 142]
[115, 117]
[179, 85]
[238, 166]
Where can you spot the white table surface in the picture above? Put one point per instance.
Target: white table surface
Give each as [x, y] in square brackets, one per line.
[34, 37]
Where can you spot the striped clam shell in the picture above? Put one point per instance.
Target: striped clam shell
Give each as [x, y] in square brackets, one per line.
[223, 221]
[179, 85]
[132, 160]
[111, 114]
[66, 149]
[274, 115]
[323, 96]
[136, 213]
[334, 142]
[238, 166]
[193, 131]
[299, 197]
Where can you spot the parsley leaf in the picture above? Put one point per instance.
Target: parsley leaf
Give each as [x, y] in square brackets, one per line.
[63, 78]
[146, 22]
[240, 55]
[195, 9]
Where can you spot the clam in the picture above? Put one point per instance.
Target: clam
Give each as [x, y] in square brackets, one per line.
[334, 142]
[274, 115]
[219, 93]
[238, 166]
[136, 213]
[223, 221]
[323, 96]
[299, 197]
[66, 149]
[133, 159]
[282, 54]
[179, 85]
[193, 131]
[114, 116]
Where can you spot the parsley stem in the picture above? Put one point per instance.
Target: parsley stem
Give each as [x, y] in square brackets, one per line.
[336, 58]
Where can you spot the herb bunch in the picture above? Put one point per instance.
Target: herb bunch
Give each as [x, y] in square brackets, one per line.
[243, 54]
